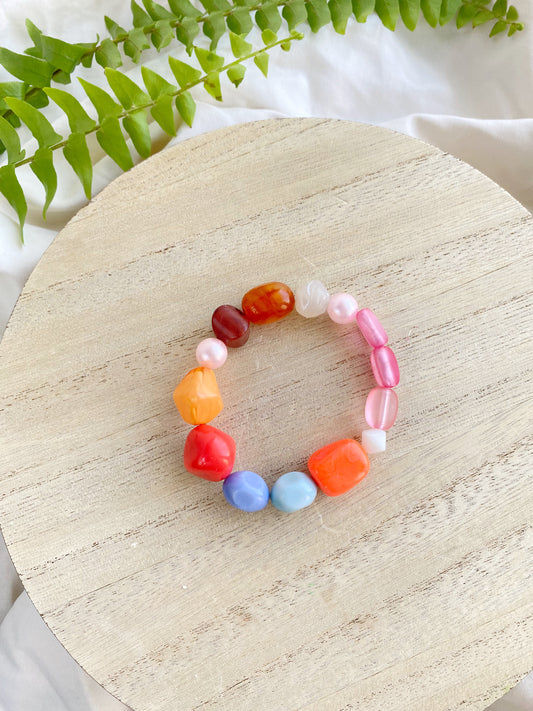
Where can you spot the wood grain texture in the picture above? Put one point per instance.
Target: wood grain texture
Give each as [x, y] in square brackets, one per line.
[413, 591]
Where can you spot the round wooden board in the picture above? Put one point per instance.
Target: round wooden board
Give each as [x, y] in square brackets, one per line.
[409, 592]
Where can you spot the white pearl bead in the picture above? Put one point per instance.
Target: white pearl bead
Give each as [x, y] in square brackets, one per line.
[211, 353]
[311, 299]
[342, 308]
[374, 441]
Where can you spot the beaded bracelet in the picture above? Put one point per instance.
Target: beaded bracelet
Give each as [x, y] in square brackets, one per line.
[336, 468]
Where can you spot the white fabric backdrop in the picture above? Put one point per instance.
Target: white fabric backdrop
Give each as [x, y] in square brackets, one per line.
[470, 95]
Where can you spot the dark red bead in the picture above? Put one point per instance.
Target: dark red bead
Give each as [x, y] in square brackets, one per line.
[231, 326]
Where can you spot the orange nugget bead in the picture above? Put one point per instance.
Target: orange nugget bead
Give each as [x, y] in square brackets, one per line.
[339, 466]
[268, 302]
[197, 397]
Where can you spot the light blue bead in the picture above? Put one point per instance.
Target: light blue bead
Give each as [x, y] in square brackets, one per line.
[293, 491]
[246, 491]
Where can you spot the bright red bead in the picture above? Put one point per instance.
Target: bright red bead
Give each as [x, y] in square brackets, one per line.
[268, 302]
[231, 326]
[209, 453]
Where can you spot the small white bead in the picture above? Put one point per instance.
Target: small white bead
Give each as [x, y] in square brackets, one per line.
[311, 299]
[374, 441]
[342, 308]
[211, 353]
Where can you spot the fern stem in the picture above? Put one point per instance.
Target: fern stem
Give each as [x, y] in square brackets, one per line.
[191, 85]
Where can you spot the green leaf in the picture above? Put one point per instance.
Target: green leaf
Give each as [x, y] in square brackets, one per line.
[317, 14]
[43, 167]
[112, 140]
[35, 35]
[261, 61]
[214, 28]
[163, 113]
[186, 31]
[236, 73]
[209, 61]
[515, 27]
[239, 46]
[11, 141]
[448, 10]
[215, 5]
[37, 98]
[78, 119]
[465, 14]
[12, 88]
[481, 17]
[61, 55]
[499, 8]
[498, 27]
[239, 21]
[410, 12]
[362, 9]
[157, 12]
[212, 85]
[126, 90]
[163, 34]
[431, 10]
[136, 126]
[77, 155]
[135, 44]
[114, 29]
[294, 13]
[61, 77]
[340, 11]
[140, 18]
[388, 12]
[186, 107]
[13, 120]
[184, 73]
[512, 13]
[40, 126]
[33, 71]
[183, 8]
[11, 190]
[100, 99]
[155, 84]
[107, 54]
[268, 37]
[268, 18]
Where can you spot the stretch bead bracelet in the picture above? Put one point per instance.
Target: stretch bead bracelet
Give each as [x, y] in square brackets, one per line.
[336, 468]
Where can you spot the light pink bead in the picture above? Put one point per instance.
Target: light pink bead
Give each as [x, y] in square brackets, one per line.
[211, 353]
[342, 308]
[381, 408]
[385, 367]
[371, 328]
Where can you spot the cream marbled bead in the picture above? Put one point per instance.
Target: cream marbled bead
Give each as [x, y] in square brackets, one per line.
[374, 441]
[211, 353]
[311, 299]
[342, 308]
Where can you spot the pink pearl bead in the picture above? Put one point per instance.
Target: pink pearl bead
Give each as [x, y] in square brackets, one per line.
[342, 308]
[381, 408]
[385, 367]
[371, 328]
[211, 353]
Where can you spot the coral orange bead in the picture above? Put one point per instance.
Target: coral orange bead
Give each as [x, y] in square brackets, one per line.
[268, 302]
[197, 397]
[339, 466]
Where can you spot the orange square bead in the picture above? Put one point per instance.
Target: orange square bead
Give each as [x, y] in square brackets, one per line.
[339, 466]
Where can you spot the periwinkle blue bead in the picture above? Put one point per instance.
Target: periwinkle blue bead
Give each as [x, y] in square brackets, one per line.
[293, 491]
[246, 491]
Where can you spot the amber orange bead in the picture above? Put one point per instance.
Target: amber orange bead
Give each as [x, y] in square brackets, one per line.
[197, 397]
[339, 466]
[268, 302]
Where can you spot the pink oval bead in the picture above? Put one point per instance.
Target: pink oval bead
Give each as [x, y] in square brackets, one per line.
[381, 408]
[372, 330]
[385, 367]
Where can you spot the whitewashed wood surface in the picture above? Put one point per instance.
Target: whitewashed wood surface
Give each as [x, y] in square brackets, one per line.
[413, 591]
